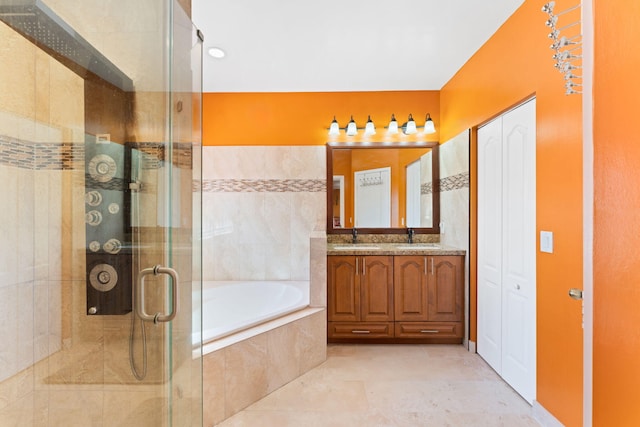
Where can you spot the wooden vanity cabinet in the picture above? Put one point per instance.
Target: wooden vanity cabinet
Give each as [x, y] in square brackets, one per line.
[429, 297]
[402, 298]
[360, 296]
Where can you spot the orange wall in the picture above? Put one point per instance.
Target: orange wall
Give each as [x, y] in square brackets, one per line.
[304, 118]
[616, 267]
[514, 64]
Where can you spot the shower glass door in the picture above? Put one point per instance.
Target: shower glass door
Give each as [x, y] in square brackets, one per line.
[100, 165]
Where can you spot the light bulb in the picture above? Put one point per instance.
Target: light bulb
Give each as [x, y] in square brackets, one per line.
[352, 129]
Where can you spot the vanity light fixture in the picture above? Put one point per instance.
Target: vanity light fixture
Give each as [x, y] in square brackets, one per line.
[370, 128]
[429, 127]
[352, 129]
[408, 128]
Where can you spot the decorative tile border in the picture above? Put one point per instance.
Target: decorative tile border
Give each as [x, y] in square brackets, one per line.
[263, 186]
[426, 188]
[454, 182]
[40, 156]
[69, 156]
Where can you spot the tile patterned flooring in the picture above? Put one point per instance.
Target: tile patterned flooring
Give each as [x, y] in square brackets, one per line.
[392, 385]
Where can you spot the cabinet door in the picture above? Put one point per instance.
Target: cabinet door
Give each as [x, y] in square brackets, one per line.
[343, 290]
[410, 293]
[376, 288]
[445, 284]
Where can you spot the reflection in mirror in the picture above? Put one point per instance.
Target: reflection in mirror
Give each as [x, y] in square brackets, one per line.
[383, 189]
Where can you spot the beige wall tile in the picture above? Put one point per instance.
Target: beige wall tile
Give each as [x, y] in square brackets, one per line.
[9, 331]
[250, 359]
[16, 77]
[312, 341]
[213, 384]
[283, 356]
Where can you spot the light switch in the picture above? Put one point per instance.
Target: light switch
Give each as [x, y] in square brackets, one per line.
[546, 242]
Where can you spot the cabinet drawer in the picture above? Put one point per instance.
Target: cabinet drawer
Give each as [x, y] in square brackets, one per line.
[362, 330]
[428, 329]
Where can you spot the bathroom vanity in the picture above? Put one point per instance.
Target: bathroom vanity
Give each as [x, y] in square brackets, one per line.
[391, 292]
[388, 280]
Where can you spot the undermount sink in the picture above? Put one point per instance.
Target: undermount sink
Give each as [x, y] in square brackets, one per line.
[356, 247]
[418, 246]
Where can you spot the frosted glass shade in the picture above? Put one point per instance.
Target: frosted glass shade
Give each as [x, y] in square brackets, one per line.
[334, 129]
[393, 126]
[429, 127]
[370, 128]
[352, 129]
[410, 127]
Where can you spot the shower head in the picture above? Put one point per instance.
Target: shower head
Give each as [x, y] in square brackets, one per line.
[43, 27]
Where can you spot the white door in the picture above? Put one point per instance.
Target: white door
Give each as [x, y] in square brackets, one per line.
[507, 247]
[372, 198]
[489, 251]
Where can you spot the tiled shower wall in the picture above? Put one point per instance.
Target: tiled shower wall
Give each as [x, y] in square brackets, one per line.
[454, 196]
[40, 125]
[260, 206]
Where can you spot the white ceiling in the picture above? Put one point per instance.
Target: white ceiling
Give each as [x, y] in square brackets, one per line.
[342, 45]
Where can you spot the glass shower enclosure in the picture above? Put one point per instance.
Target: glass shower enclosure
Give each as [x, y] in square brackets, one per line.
[100, 166]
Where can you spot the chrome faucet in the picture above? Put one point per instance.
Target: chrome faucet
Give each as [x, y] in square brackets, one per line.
[354, 233]
[411, 232]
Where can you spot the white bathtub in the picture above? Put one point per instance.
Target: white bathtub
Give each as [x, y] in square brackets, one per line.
[233, 306]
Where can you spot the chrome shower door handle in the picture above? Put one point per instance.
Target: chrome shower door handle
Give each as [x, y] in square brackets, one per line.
[139, 304]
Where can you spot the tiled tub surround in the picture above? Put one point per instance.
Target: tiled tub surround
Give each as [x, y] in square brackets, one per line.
[251, 365]
[263, 219]
[260, 206]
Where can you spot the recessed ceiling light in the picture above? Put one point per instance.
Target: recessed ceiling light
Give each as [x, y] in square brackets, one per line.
[216, 52]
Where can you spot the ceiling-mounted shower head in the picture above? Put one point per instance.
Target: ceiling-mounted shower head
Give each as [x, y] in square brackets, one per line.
[38, 23]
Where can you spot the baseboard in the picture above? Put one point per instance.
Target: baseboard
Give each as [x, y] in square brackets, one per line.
[472, 347]
[544, 417]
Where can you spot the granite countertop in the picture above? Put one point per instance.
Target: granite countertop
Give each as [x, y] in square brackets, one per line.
[366, 248]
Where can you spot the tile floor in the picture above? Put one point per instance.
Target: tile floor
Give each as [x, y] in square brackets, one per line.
[392, 385]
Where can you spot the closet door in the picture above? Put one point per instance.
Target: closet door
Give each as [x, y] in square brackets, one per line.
[490, 243]
[507, 247]
[519, 249]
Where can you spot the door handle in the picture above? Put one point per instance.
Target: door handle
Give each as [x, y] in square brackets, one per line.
[575, 293]
[140, 307]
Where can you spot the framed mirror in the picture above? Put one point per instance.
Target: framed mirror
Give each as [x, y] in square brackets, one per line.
[383, 189]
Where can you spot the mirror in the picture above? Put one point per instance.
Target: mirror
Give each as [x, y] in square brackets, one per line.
[383, 188]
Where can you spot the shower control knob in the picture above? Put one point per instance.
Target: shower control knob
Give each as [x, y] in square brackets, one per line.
[93, 310]
[93, 217]
[114, 208]
[103, 277]
[93, 198]
[112, 246]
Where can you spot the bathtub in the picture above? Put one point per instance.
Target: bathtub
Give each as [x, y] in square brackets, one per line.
[230, 307]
